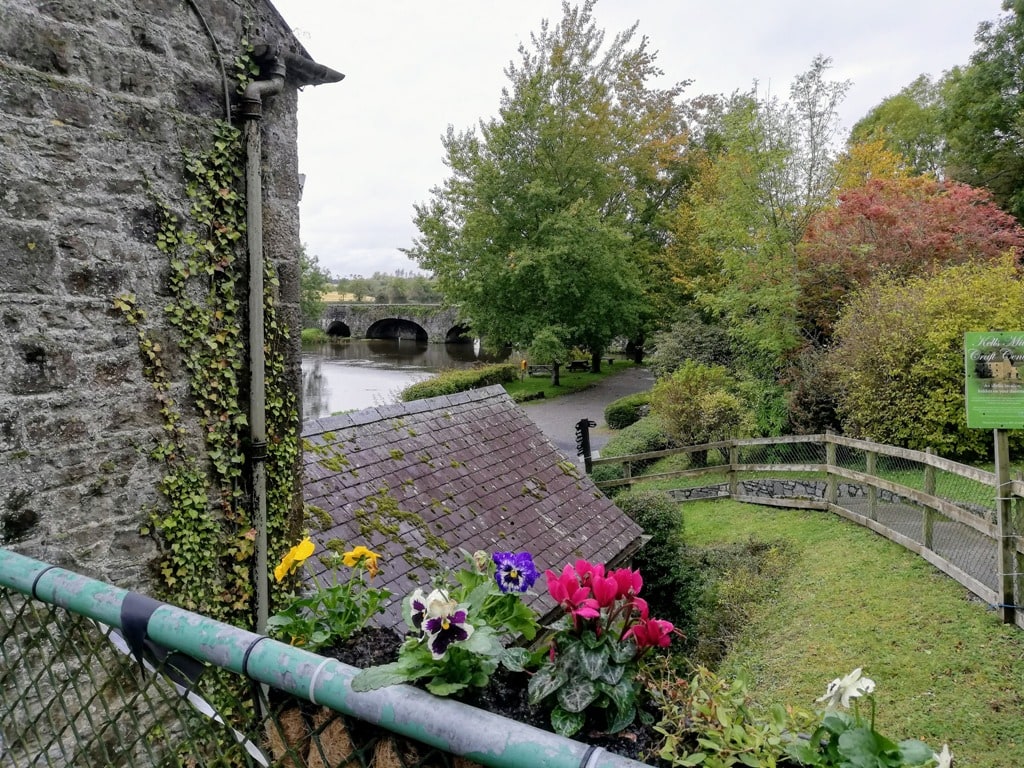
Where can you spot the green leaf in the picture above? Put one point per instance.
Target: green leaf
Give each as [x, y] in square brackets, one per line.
[577, 694]
[441, 687]
[621, 718]
[914, 752]
[593, 661]
[544, 682]
[515, 658]
[372, 678]
[484, 642]
[566, 723]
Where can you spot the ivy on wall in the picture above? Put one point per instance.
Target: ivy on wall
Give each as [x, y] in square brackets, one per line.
[206, 528]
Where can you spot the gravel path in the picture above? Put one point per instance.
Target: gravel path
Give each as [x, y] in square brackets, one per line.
[557, 417]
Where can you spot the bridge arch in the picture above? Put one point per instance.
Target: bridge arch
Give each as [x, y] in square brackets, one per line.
[458, 334]
[396, 328]
[339, 329]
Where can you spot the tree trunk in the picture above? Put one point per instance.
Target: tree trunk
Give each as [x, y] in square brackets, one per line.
[554, 374]
[595, 361]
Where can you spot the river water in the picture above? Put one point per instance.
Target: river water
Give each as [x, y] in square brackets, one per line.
[363, 373]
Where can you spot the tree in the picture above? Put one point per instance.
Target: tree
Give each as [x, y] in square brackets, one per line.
[902, 226]
[749, 207]
[313, 281]
[909, 125]
[984, 102]
[898, 360]
[546, 217]
[548, 348]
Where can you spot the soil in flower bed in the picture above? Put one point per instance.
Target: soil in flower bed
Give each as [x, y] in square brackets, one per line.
[505, 695]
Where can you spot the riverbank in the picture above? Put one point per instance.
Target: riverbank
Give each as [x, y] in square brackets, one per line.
[557, 418]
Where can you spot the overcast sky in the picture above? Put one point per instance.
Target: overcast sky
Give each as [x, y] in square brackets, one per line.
[370, 146]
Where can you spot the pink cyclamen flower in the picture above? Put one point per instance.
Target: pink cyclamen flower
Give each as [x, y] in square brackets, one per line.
[568, 593]
[651, 633]
[587, 571]
[630, 582]
[606, 590]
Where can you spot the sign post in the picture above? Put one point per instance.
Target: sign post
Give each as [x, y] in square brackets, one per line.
[994, 395]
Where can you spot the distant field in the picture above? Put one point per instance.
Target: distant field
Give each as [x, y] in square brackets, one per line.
[334, 296]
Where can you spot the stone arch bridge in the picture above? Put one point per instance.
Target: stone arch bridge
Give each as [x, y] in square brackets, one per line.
[419, 322]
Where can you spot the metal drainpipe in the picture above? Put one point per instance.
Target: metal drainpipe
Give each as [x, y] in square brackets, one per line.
[446, 724]
[251, 110]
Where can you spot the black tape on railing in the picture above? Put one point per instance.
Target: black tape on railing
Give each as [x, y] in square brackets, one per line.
[136, 611]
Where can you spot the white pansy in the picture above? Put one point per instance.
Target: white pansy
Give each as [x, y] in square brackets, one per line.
[841, 690]
[439, 604]
[944, 759]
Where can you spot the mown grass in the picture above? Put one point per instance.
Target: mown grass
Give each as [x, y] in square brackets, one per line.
[947, 669]
[528, 387]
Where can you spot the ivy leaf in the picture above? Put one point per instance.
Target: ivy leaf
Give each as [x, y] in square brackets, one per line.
[546, 681]
[566, 723]
[577, 694]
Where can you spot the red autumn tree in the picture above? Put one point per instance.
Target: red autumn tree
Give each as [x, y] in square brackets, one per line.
[902, 226]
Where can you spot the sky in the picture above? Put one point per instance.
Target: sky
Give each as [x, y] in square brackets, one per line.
[370, 146]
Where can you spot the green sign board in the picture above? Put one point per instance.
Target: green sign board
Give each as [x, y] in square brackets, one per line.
[994, 375]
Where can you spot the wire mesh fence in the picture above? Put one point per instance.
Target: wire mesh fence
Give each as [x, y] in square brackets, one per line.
[947, 512]
[72, 694]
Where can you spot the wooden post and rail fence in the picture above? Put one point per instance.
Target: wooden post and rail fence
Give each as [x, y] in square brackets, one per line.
[967, 522]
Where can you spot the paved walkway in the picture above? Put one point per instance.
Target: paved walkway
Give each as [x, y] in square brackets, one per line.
[557, 417]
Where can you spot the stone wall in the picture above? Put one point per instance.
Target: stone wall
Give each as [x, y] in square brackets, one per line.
[98, 101]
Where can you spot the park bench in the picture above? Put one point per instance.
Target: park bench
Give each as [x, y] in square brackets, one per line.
[537, 370]
[579, 365]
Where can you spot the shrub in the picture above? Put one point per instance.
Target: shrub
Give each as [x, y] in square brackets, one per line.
[670, 582]
[646, 435]
[626, 410]
[898, 360]
[696, 404]
[461, 380]
[314, 336]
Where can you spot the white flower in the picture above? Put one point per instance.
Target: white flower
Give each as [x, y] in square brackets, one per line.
[841, 690]
[944, 759]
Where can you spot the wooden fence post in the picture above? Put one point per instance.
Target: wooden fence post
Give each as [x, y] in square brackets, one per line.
[832, 492]
[1007, 533]
[734, 459]
[872, 469]
[928, 532]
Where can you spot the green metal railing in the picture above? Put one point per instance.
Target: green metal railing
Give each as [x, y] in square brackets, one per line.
[93, 675]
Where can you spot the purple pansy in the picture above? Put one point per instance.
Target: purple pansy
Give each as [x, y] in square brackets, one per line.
[418, 606]
[515, 571]
[444, 630]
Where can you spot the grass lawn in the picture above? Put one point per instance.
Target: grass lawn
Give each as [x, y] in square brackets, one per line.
[568, 382]
[946, 668]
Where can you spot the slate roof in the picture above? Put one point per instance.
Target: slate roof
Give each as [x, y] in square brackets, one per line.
[417, 481]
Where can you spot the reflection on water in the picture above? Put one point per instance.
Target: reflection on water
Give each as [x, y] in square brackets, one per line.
[363, 373]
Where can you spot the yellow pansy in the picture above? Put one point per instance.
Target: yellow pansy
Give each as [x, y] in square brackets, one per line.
[294, 558]
[361, 555]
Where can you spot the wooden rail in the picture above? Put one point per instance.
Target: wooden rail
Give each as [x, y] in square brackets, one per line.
[991, 535]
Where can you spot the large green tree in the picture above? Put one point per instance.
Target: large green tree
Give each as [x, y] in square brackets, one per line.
[910, 124]
[313, 282]
[984, 104]
[739, 226]
[550, 216]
